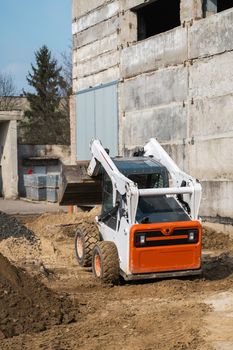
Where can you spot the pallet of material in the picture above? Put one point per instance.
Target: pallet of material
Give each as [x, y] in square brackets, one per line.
[35, 180]
[51, 195]
[77, 188]
[36, 194]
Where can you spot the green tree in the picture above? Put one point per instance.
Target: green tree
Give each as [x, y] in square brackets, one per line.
[46, 122]
[66, 87]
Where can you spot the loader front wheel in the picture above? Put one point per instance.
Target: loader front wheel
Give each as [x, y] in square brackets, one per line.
[86, 236]
[105, 262]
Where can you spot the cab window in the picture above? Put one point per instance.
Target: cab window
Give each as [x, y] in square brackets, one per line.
[107, 194]
[149, 180]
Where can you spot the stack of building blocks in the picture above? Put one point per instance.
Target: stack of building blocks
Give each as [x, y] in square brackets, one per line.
[42, 187]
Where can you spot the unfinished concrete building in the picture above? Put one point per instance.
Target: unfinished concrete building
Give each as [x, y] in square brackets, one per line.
[159, 69]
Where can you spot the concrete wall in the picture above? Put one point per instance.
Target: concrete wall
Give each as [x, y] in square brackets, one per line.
[176, 86]
[96, 53]
[62, 152]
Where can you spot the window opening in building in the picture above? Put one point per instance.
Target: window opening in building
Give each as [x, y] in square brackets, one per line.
[157, 17]
[224, 5]
[210, 7]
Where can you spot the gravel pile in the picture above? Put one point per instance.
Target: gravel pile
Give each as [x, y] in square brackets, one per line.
[18, 243]
[10, 227]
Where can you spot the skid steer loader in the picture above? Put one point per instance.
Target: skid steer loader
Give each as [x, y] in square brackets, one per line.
[149, 226]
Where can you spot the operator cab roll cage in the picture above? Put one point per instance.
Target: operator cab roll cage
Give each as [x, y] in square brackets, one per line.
[185, 187]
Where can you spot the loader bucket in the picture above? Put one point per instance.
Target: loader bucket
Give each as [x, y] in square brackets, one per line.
[77, 188]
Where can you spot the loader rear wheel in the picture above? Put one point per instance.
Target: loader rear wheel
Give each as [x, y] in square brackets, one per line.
[86, 236]
[105, 262]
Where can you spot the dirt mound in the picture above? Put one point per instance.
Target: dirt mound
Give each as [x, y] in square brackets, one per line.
[64, 223]
[213, 239]
[56, 233]
[48, 238]
[27, 305]
[8, 272]
[94, 212]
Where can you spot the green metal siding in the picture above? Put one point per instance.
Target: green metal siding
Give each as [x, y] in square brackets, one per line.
[97, 117]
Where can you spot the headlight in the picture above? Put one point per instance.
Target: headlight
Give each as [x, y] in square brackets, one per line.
[140, 240]
[193, 236]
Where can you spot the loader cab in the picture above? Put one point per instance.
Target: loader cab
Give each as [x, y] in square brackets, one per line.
[146, 173]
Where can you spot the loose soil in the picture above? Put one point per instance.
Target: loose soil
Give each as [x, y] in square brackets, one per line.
[169, 314]
[216, 240]
[27, 305]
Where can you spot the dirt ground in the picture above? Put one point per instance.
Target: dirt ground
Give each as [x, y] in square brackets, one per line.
[63, 307]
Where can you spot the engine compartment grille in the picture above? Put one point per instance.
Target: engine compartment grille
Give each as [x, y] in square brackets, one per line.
[158, 238]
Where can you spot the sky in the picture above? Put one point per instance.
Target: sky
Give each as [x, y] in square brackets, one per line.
[25, 26]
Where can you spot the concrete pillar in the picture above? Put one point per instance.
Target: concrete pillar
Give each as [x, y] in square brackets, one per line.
[74, 9]
[9, 160]
[128, 28]
[8, 153]
[190, 10]
[73, 128]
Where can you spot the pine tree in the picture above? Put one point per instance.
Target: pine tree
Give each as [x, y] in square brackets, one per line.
[45, 122]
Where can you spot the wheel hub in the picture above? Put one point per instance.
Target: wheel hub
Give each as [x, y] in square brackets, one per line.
[97, 265]
[80, 247]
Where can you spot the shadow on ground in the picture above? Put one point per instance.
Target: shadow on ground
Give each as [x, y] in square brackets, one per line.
[218, 267]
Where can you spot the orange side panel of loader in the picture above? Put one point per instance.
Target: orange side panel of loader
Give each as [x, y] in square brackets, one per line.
[159, 255]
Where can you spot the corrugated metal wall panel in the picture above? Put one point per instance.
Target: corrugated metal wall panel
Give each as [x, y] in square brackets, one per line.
[97, 117]
[85, 126]
[106, 118]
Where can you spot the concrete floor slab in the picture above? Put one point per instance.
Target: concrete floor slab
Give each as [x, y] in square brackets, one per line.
[21, 206]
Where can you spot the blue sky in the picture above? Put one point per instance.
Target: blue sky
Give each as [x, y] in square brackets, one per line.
[26, 25]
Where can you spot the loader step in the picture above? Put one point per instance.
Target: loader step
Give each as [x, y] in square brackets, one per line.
[158, 275]
[77, 188]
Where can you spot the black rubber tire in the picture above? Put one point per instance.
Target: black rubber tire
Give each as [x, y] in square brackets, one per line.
[88, 233]
[109, 262]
